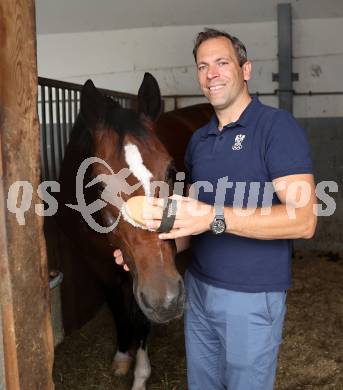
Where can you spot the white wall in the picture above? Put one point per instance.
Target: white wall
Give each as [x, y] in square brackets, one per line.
[118, 59]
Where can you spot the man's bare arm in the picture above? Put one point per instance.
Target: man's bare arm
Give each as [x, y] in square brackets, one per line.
[293, 218]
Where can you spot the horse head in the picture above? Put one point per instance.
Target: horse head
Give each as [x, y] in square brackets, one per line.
[129, 158]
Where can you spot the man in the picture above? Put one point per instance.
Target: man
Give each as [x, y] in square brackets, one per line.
[240, 269]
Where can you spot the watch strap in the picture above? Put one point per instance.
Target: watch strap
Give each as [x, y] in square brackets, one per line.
[219, 211]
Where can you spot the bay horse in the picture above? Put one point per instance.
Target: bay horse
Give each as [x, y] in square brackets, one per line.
[175, 128]
[121, 140]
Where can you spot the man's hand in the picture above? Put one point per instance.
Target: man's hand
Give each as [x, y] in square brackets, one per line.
[192, 217]
[182, 244]
[118, 257]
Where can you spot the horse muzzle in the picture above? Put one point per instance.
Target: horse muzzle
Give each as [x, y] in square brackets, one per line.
[162, 306]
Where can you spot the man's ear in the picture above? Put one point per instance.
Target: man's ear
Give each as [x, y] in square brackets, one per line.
[247, 69]
[92, 104]
[149, 97]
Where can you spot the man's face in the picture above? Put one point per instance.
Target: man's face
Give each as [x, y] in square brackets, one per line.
[221, 78]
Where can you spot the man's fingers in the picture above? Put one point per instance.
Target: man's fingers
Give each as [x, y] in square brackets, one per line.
[155, 213]
[118, 258]
[152, 211]
[155, 224]
[179, 197]
[117, 252]
[152, 224]
[154, 202]
[175, 233]
[154, 207]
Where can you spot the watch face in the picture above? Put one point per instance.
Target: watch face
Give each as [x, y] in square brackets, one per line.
[218, 226]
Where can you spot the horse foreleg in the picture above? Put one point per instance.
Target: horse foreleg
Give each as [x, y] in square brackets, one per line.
[141, 329]
[121, 363]
[142, 369]
[117, 302]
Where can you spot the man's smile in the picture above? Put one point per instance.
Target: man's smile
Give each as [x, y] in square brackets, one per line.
[215, 88]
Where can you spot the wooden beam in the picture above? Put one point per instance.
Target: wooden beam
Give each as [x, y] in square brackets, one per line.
[24, 291]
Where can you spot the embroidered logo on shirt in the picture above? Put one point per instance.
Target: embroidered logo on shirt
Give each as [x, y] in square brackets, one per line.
[238, 142]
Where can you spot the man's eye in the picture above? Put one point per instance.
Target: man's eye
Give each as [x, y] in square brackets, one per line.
[201, 68]
[222, 63]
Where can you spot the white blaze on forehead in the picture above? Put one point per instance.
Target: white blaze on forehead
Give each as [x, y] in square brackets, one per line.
[134, 160]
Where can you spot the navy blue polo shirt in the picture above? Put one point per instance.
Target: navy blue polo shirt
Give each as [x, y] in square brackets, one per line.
[263, 144]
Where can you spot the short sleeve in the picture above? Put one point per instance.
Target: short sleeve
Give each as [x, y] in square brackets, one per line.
[287, 148]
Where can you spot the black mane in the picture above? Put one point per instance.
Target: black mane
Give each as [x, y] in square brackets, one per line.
[121, 120]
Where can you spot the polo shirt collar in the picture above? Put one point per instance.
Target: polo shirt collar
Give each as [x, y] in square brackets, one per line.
[250, 111]
[244, 119]
[212, 127]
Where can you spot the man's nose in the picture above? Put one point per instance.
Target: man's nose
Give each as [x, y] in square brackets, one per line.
[212, 72]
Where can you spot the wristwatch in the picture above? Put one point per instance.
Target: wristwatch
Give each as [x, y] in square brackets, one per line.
[218, 225]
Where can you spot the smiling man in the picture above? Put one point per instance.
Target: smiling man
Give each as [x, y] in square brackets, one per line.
[222, 74]
[241, 255]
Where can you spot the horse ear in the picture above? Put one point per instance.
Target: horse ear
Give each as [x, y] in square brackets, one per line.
[149, 97]
[92, 104]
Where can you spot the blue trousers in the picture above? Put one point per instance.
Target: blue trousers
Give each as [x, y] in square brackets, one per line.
[232, 338]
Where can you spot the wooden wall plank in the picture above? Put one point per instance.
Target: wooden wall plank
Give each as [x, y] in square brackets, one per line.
[24, 291]
[2, 360]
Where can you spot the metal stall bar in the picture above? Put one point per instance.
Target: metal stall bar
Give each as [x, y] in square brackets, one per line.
[75, 106]
[285, 76]
[70, 113]
[58, 133]
[58, 118]
[50, 138]
[64, 121]
[45, 165]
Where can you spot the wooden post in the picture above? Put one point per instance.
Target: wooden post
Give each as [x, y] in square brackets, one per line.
[24, 292]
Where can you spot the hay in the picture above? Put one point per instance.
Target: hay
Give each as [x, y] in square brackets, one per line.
[311, 357]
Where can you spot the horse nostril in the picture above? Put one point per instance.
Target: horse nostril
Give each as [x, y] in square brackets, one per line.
[144, 301]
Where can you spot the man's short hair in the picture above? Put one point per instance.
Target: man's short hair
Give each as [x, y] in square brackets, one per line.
[209, 33]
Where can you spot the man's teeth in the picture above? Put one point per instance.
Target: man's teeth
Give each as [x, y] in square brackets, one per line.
[215, 88]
